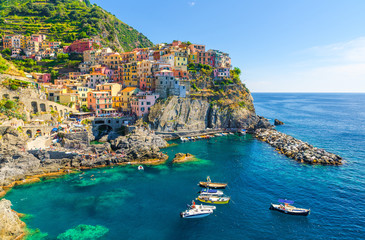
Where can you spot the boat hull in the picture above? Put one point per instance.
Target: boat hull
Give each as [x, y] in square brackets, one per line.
[301, 213]
[213, 202]
[201, 215]
[213, 185]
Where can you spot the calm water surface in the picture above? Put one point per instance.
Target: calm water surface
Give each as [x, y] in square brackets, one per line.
[146, 205]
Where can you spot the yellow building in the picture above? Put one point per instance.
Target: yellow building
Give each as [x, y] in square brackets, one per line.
[193, 58]
[69, 99]
[122, 101]
[129, 57]
[55, 93]
[82, 92]
[113, 88]
[130, 75]
[180, 59]
[112, 61]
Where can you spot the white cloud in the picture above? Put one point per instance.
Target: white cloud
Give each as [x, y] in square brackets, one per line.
[192, 4]
[350, 51]
[338, 67]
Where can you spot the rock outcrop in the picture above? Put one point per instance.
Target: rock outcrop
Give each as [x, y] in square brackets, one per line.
[183, 157]
[141, 145]
[181, 114]
[17, 165]
[296, 149]
[278, 122]
[11, 227]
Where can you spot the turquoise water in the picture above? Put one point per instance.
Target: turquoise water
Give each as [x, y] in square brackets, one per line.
[145, 205]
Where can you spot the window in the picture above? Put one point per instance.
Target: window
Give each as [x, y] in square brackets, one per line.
[148, 103]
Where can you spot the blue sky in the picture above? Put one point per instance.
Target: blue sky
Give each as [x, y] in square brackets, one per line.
[280, 46]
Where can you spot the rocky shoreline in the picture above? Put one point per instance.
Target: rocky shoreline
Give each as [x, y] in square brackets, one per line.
[11, 227]
[296, 149]
[19, 167]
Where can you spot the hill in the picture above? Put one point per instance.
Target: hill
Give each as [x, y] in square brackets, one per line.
[68, 20]
[7, 67]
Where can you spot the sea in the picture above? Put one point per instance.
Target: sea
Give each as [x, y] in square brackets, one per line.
[131, 204]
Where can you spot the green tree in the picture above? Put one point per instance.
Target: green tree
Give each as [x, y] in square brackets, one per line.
[6, 52]
[85, 108]
[9, 104]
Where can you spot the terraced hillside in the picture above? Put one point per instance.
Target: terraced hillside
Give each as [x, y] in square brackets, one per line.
[68, 20]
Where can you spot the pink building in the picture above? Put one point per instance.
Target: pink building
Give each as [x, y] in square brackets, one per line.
[42, 77]
[99, 101]
[142, 102]
[79, 46]
[109, 73]
[221, 72]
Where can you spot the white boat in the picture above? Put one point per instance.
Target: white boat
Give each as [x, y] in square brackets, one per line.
[289, 209]
[201, 206]
[211, 192]
[196, 213]
[140, 167]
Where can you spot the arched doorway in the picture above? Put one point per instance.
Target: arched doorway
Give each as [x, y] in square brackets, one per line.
[105, 129]
[29, 133]
[39, 133]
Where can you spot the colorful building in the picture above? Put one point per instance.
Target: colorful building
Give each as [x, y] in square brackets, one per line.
[97, 101]
[70, 99]
[96, 79]
[142, 102]
[42, 77]
[130, 78]
[123, 100]
[82, 92]
[79, 46]
[221, 73]
[112, 88]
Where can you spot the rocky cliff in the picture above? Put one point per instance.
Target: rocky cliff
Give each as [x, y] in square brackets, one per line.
[180, 114]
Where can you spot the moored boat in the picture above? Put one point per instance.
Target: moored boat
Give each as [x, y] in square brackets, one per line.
[209, 184]
[211, 192]
[196, 213]
[201, 206]
[140, 167]
[289, 209]
[214, 199]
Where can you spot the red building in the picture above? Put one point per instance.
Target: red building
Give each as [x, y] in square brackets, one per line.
[180, 74]
[79, 46]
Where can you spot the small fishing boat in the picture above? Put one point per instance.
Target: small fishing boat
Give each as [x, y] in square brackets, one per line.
[289, 209]
[140, 168]
[211, 192]
[196, 213]
[209, 184]
[214, 199]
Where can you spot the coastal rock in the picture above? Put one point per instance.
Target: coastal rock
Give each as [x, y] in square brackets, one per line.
[141, 145]
[278, 122]
[296, 149]
[183, 157]
[11, 227]
[188, 114]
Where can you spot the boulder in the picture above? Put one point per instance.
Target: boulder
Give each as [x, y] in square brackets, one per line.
[278, 122]
[183, 157]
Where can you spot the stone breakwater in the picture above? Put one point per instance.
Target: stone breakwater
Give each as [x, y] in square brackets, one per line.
[296, 149]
